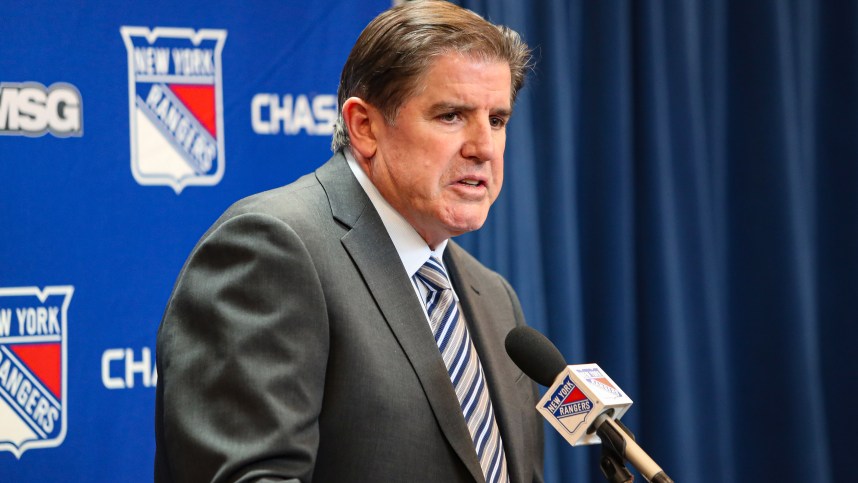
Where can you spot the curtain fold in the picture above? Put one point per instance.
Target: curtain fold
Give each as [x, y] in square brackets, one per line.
[681, 207]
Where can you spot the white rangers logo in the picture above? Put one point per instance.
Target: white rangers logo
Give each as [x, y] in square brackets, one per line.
[175, 102]
[33, 348]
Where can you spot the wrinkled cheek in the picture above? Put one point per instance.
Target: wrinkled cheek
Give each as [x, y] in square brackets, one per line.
[498, 183]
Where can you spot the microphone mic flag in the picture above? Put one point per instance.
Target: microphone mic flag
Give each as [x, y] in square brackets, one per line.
[577, 394]
[582, 403]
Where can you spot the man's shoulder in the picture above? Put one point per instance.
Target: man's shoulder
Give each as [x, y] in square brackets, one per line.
[299, 207]
[306, 198]
[285, 201]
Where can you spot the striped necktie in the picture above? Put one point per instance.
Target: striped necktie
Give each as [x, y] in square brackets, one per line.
[463, 366]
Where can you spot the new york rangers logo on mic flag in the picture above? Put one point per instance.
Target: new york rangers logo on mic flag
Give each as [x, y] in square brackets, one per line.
[579, 394]
[175, 105]
[568, 403]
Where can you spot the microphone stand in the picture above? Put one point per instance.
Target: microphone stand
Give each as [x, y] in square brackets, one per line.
[616, 447]
[611, 461]
[613, 468]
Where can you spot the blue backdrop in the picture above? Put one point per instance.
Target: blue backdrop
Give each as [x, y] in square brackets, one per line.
[79, 226]
[680, 207]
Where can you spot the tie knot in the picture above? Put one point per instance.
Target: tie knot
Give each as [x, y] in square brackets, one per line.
[433, 275]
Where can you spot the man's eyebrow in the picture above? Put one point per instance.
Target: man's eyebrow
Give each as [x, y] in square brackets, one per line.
[502, 112]
[443, 107]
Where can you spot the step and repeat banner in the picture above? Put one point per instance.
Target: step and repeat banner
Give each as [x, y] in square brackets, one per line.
[126, 128]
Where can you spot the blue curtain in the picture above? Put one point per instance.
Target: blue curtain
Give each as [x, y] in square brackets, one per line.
[681, 207]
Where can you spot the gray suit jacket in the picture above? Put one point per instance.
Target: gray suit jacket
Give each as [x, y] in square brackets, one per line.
[294, 348]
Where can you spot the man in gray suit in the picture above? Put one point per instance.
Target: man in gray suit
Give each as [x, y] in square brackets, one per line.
[306, 337]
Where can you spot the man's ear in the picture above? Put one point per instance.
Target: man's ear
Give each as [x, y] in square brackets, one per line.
[358, 119]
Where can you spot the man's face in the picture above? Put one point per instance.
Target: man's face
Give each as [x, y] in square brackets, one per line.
[440, 164]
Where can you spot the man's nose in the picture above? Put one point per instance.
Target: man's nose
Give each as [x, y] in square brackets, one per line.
[479, 144]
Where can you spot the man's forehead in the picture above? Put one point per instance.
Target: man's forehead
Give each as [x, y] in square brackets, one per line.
[451, 78]
[455, 61]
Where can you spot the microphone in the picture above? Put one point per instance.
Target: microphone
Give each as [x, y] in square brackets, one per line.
[582, 403]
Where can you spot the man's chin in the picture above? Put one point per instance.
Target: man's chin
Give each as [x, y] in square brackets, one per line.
[461, 227]
[444, 225]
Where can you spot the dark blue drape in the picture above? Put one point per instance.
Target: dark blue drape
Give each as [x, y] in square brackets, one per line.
[681, 207]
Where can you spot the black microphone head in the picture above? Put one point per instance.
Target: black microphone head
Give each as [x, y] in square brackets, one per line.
[534, 354]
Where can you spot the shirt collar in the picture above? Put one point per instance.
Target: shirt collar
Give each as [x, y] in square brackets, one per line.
[412, 249]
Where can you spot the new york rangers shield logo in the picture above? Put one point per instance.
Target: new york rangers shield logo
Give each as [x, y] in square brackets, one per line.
[569, 405]
[599, 382]
[175, 102]
[33, 347]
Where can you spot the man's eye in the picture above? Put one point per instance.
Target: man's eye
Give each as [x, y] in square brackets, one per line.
[449, 117]
[497, 122]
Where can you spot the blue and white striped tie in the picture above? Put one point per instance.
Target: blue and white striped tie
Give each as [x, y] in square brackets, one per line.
[463, 366]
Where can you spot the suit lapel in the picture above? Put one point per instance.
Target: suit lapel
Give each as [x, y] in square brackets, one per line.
[375, 257]
[488, 334]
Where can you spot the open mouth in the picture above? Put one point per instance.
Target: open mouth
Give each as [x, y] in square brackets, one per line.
[471, 182]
